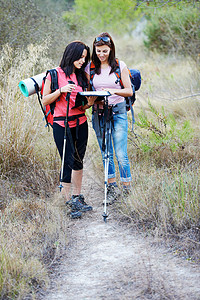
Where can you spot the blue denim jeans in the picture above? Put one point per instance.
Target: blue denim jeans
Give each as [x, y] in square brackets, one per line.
[119, 140]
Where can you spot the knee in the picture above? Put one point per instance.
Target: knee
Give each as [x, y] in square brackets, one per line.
[122, 157]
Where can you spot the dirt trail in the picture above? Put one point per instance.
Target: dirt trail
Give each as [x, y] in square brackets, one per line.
[110, 261]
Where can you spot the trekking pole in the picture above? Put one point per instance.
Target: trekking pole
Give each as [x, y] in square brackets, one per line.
[106, 149]
[65, 138]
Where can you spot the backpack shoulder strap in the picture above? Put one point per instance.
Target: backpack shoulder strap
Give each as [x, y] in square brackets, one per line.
[54, 79]
[54, 87]
[39, 100]
[92, 73]
[118, 73]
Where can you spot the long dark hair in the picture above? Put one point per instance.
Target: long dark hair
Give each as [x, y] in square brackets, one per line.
[73, 52]
[111, 59]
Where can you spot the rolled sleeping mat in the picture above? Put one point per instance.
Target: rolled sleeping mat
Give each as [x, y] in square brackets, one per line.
[27, 86]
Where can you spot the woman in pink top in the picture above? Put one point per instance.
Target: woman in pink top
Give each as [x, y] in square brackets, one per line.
[74, 60]
[103, 77]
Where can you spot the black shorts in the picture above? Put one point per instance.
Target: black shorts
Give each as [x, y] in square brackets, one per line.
[73, 154]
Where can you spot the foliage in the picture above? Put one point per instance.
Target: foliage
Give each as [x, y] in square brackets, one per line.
[174, 29]
[163, 131]
[31, 228]
[33, 22]
[19, 23]
[102, 15]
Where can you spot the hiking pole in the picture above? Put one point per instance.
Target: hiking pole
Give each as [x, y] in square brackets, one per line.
[65, 138]
[106, 149]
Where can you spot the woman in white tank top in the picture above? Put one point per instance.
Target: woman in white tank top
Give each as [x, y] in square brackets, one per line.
[102, 77]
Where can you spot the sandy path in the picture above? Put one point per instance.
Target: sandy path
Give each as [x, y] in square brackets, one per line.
[110, 261]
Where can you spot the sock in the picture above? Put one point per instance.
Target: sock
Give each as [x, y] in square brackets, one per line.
[127, 187]
[113, 183]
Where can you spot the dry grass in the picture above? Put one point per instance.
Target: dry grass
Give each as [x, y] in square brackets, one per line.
[23, 135]
[33, 230]
[30, 240]
[165, 195]
[165, 198]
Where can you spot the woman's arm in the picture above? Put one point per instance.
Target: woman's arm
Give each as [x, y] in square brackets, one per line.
[49, 97]
[127, 90]
[90, 99]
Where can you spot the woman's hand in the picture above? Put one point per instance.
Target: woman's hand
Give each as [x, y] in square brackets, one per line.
[91, 100]
[49, 97]
[111, 91]
[68, 88]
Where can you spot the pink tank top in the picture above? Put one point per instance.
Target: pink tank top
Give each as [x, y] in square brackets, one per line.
[107, 80]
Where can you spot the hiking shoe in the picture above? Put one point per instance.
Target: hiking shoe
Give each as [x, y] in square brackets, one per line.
[69, 203]
[78, 206]
[126, 192]
[82, 200]
[113, 193]
[76, 214]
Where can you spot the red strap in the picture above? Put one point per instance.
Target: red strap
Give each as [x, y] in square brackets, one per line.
[92, 66]
[117, 73]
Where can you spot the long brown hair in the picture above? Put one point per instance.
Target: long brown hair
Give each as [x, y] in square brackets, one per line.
[73, 52]
[111, 58]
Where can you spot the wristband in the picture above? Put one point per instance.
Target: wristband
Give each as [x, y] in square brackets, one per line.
[60, 90]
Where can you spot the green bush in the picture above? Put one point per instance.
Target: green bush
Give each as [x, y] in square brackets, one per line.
[163, 130]
[97, 16]
[174, 29]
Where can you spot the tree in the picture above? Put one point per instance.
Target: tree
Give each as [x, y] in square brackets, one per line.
[102, 15]
[174, 28]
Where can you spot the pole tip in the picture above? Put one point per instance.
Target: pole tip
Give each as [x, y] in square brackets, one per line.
[105, 216]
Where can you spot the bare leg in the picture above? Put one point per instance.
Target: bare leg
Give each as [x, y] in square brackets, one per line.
[111, 180]
[77, 181]
[66, 191]
[126, 184]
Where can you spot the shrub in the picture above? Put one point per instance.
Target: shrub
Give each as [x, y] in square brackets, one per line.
[174, 29]
[162, 138]
[96, 16]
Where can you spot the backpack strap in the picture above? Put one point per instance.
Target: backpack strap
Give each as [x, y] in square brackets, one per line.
[118, 74]
[92, 73]
[38, 95]
[54, 86]
[54, 79]
[71, 118]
